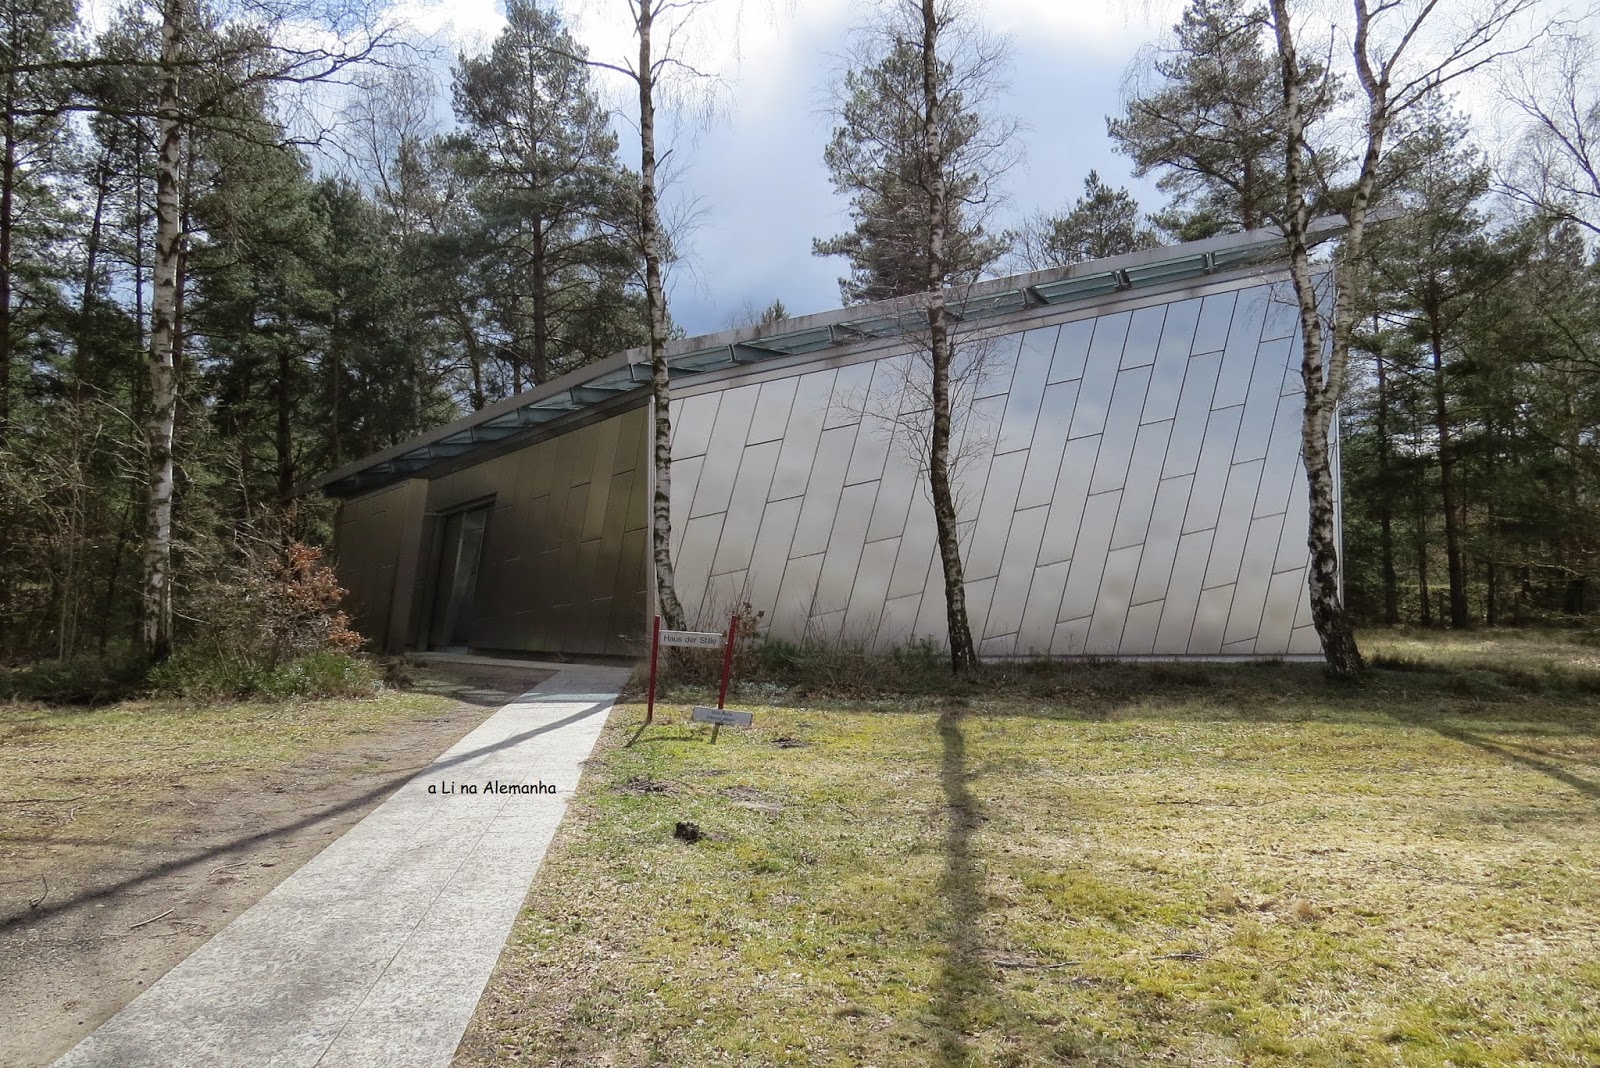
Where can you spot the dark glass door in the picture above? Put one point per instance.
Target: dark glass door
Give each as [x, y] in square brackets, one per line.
[456, 584]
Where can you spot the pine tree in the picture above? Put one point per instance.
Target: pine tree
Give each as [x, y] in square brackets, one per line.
[36, 41]
[1208, 120]
[1103, 222]
[556, 210]
[878, 158]
[1430, 266]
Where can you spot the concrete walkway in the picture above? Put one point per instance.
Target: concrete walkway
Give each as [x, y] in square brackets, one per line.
[377, 950]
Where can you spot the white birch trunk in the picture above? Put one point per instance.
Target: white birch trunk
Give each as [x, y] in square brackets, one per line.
[1323, 382]
[656, 298]
[156, 631]
[962, 654]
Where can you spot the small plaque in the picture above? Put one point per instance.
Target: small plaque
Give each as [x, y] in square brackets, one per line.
[693, 639]
[731, 717]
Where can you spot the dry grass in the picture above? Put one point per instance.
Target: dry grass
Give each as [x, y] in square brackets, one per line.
[1095, 866]
[87, 768]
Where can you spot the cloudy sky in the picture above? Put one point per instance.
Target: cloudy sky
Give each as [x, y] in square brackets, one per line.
[754, 173]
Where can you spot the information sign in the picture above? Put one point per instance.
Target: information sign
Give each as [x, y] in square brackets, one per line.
[693, 639]
[730, 716]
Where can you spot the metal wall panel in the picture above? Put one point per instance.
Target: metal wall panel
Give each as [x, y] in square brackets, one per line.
[1122, 424]
[563, 566]
[1039, 613]
[1132, 486]
[849, 397]
[1144, 476]
[1071, 350]
[1066, 507]
[1144, 337]
[800, 436]
[994, 517]
[377, 539]
[1100, 375]
[1049, 441]
[1194, 413]
[1016, 574]
[1172, 352]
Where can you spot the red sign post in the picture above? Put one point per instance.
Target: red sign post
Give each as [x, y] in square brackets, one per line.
[690, 639]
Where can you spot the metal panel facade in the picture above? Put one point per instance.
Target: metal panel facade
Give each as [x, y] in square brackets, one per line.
[376, 545]
[563, 565]
[1132, 487]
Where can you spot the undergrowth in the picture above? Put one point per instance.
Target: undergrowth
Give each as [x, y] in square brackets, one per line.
[1486, 665]
[96, 680]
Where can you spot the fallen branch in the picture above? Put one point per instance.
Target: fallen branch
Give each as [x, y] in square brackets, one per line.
[1035, 965]
[153, 919]
[1182, 956]
[38, 800]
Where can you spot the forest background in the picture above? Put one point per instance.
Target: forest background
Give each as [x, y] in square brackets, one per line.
[350, 271]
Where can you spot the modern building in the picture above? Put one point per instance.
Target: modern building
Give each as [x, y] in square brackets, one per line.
[1129, 479]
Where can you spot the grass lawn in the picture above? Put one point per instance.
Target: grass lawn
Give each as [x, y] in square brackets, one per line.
[1107, 865]
[87, 765]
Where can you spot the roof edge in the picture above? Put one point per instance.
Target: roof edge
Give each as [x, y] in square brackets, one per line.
[629, 370]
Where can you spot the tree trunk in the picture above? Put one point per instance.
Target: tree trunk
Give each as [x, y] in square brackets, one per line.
[283, 438]
[86, 302]
[1491, 572]
[156, 632]
[1447, 484]
[963, 656]
[541, 306]
[1391, 591]
[1323, 383]
[335, 418]
[656, 297]
[8, 178]
[76, 506]
[1424, 594]
[1491, 587]
[474, 361]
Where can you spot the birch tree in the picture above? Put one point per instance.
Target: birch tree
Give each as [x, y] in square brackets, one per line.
[963, 654]
[661, 29]
[1556, 168]
[198, 78]
[1402, 51]
[918, 155]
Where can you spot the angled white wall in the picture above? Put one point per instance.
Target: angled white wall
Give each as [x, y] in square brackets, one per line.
[1132, 487]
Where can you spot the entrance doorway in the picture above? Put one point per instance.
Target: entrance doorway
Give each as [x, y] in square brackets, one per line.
[456, 580]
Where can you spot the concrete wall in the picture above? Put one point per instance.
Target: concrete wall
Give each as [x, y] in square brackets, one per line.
[1131, 485]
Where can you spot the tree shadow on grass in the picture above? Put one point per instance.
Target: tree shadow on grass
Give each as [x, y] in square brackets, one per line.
[963, 975]
[190, 860]
[1550, 768]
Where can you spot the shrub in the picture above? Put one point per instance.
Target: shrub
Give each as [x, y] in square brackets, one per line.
[703, 667]
[269, 602]
[85, 679]
[195, 673]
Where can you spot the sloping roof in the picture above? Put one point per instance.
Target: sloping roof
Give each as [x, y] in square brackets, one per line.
[621, 380]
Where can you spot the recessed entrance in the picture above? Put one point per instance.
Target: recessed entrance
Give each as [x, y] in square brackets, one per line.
[456, 579]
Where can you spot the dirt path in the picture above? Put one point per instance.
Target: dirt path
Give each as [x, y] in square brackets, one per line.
[116, 916]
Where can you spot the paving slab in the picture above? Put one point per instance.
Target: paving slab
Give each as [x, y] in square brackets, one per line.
[377, 950]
